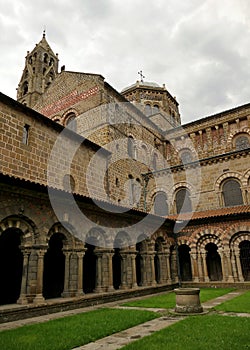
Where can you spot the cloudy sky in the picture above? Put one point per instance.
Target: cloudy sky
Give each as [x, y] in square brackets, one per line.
[199, 49]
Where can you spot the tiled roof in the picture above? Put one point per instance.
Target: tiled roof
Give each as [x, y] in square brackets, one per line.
[212, 213]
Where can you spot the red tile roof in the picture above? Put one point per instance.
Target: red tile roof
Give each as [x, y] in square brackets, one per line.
[212, 213]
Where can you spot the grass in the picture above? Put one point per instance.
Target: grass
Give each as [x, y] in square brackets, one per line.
[167, 301]
[198, 333]
[69, 332]
[238, 304]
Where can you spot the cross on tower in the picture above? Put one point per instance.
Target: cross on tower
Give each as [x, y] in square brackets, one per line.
[141, 75]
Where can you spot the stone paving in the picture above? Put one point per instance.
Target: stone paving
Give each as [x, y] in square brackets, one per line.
[120, 339]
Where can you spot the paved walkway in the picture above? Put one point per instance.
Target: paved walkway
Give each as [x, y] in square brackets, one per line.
[120, 339]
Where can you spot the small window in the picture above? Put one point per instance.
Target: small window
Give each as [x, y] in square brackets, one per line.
[186, 157]
[232, 193]
[26, 129]
[131, 147]
[242, 142]
[156, 109]
[183, 201]
[71, 122]
[160, 204]
[68, 183]
[148, 110]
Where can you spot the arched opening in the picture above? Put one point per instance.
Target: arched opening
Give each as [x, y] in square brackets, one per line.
[185, 262]
[183, 201]
[117, 267]
[232, 193]
[148, 110]
[25, 88]
[139, 264]
[89, 269]
[213, 262]
[70, 121]
[11, 266]
[242, 142]
[245, 259]
[131, 147]
[54, 267]
[161, 204]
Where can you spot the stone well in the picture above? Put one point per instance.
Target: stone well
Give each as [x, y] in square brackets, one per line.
[188, 301]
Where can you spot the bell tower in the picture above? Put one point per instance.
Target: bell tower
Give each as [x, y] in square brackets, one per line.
[41, 68]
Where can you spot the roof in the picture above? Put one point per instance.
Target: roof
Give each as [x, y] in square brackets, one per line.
[141, 84]
[212, 213]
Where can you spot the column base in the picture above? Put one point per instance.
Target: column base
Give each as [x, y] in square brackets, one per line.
[38, 299]
[22, 300]
[80, 293]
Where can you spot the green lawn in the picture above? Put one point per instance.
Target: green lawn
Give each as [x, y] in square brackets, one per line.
[238, 304]
[167, 301]
[211, 332]
[69, 332]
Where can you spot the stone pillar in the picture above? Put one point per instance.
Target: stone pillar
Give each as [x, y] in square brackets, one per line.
[200, 268]
[238, 264]
[124, 268]
[23, 294]
[80, 256]
[152, 266]
[194, 267]
[110, 271]
[229, 265]
[98, 287]
[162, 269]
[168, 268]
[133, 266]
[39, 282]
[223, 265]
[203, 255]
[174, 267]
[66, 288]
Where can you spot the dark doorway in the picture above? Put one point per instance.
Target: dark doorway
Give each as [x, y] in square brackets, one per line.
[11, 266]
[213, 262]
[89, 269]
[245, 259]
[117, 266]
[139, 264]
[54, 267]
[185, 263]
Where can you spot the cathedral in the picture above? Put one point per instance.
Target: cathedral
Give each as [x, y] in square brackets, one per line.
[106, 194]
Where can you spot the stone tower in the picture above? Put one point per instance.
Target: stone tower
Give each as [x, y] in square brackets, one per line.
[154, 101]
[41, 67]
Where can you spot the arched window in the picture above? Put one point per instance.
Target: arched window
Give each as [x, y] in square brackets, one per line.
[232, 193]
[70, 121]
[148, 110]
[25, 88]
[161, 204]
[186, 156]
[154, 162]
[156, 109]
[242, 142]
[183, 201]
[68, 183]
[131, 147]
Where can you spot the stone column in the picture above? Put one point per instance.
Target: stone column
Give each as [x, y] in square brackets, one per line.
[194, 267]
[124, 267]
[229, 265]
[110, 271]
[80, 256]
[144, 269]
[203, 255]
[152, 266]
[39, 282]
[98, 287]
[223, 265]
[23, 294]
[199, 265]
[162, 269]
[133, 267]
[174, 267]
[66, 291]
[238, 264]
[168, 269]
